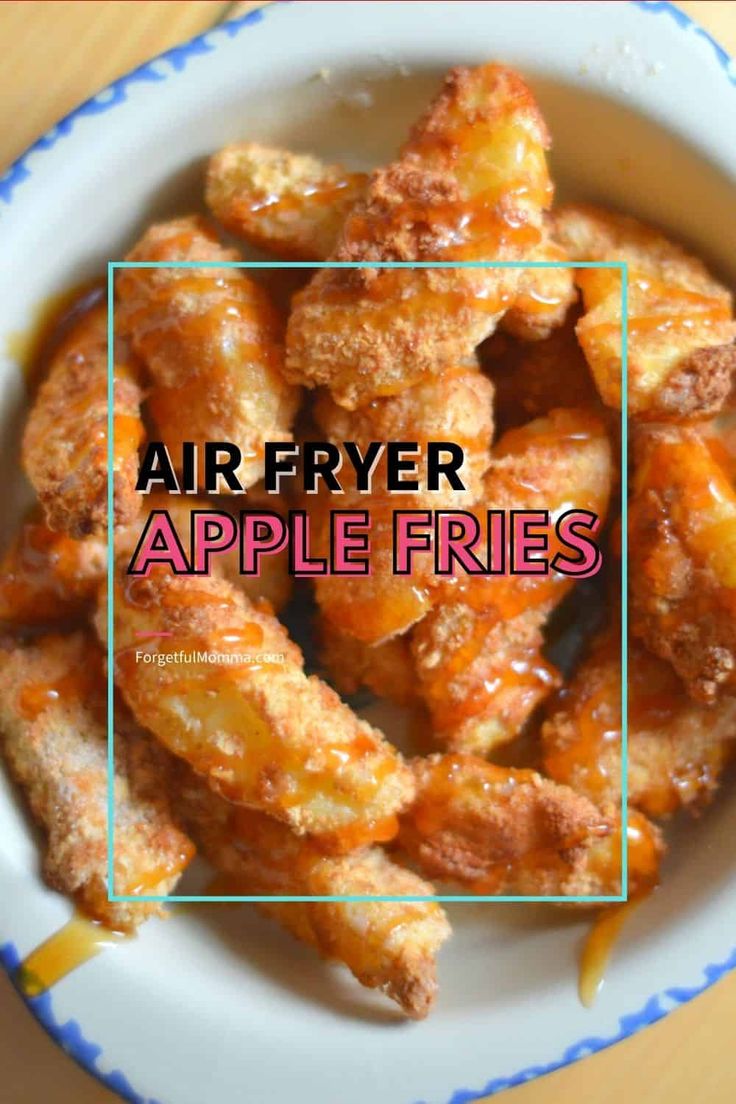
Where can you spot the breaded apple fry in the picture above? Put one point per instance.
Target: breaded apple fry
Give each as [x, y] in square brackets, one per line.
[258, 729]
[471, 184]
[457, 408]
[294, 206]
[391, 946]
[65, 441]
[291, 204]
[46, 576]
[212, 342]
[502, 831]
[481, 824]
[53, 736]
[681, 356]
[677, 748]
[682, 533]
[478, 654]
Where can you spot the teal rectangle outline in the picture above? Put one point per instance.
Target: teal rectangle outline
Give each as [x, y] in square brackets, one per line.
[620, 266]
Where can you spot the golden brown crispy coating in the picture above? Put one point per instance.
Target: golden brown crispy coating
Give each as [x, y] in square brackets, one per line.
[682, 532]
[53, 735]
[478, 655]
[391, 946]
[677, 748]
[47, 576]
[530, 380]
[486, 826]
[211, 340]
[455, 408]
[681, 355]
[544, 295]
[470, 184]
[65, 441]
[501, 831]
[293, 205]
[253, 724]
[480, 677]
[290, 204]
[595, 869]
[387, 669]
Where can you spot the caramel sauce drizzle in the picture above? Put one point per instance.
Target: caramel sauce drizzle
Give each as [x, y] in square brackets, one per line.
[598, 948]
[78, 941]
[55, 317]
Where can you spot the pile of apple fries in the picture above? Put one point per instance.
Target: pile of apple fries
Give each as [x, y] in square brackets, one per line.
[264, 768]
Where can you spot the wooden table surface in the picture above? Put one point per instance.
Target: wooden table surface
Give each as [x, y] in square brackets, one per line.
[56, 53]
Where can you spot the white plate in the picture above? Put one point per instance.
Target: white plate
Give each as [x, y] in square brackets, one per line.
[218, 1004]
